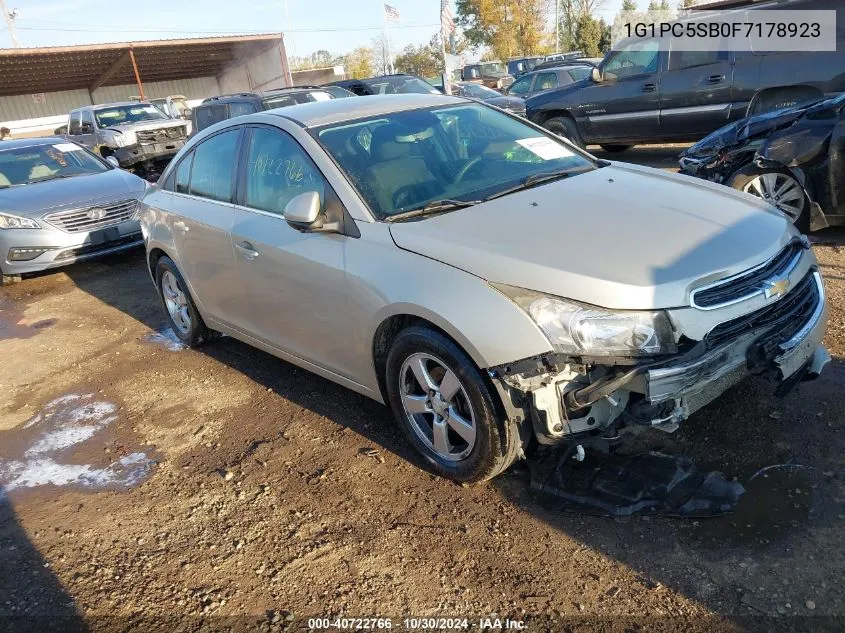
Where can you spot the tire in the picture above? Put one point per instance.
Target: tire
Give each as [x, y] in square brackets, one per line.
[188, 325]
[566, 127]
[615, 149]
[764, 183]
[476, 442]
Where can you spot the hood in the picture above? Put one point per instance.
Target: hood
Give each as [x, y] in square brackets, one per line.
[621, 237]
[758, 125]
[35, 200]
[507, 103]
[147, 125]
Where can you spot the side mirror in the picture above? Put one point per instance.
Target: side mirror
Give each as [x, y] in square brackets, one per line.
[186, 113]
[303, 211]
[111, 160]
[595, 76]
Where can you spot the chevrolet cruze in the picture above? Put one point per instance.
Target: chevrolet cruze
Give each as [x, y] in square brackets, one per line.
[489, 281]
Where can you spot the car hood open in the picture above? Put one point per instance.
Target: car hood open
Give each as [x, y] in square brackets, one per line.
[622, 237]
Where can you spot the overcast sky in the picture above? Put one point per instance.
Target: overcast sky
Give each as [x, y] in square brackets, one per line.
[334, 25]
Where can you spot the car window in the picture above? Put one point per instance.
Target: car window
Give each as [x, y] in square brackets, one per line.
[462, 152]
[521, 85]
[47, 161]
[546, 81]
[214, 166]
[183, 174]
[209, 115]
[634, 58]
[278, 169]
[281, 101]
[121, 115]
[239, 108]
[690, 59]
[579, 73]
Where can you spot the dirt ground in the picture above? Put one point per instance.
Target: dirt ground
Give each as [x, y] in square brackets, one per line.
[224, 489]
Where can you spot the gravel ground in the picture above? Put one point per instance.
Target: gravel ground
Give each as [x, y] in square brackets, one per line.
[232, 491]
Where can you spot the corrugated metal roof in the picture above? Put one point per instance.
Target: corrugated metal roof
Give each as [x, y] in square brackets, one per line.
[89, 67]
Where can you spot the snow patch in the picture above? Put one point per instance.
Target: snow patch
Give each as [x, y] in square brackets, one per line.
[166, 338]
[66, 422]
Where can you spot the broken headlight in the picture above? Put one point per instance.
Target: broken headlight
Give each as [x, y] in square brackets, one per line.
[575, 328]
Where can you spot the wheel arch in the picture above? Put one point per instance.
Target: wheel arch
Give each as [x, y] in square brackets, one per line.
[544, 115]
[153, 257]
[803, 90]
[402, 317]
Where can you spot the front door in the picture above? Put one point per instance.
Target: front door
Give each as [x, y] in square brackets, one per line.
[695, 93]
[87, 130]
[625, 104]
[294, 282]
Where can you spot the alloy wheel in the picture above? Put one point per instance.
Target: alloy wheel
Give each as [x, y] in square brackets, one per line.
[437, 406]
[176, 302]
[780, 190]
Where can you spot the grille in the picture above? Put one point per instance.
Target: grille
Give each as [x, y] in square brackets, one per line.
[78, 219]
[161, 136]
[790, 314]
[749, 283]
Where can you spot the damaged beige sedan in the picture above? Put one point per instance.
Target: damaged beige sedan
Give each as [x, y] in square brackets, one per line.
[487, 280]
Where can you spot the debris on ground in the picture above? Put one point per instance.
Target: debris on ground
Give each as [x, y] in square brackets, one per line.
[619, 485]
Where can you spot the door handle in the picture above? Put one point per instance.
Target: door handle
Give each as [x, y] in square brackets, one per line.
[649, 87]
[715, 79]
[247, 250]
[181, 226]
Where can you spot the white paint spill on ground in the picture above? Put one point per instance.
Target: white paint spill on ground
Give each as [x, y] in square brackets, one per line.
[166, 338]
[63, 424]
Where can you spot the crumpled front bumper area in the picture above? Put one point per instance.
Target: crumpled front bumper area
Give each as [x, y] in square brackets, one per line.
[134, 154]
[786, 354]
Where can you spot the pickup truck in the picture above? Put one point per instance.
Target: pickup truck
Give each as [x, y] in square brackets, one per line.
[645, 92]
[137, 134]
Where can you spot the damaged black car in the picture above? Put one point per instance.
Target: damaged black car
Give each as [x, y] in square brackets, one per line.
[793, 158]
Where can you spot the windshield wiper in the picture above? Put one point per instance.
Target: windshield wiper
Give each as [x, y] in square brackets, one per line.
[533, 180]
[435, 206]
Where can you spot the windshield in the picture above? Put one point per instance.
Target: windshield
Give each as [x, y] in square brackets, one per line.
[478, 91]
[404, 160]
[398, 85]
[493, 68]
[337, 92]
[580, 72]
[38, 163]
[121, 115]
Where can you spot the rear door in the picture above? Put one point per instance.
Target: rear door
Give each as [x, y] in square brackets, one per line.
[202, 214]
[626, 104]
[695, 93]
[294, 283]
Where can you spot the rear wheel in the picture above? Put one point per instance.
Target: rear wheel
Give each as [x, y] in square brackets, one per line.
[566, 127]
[615, 149]
[185, 319]
[776, 187]
[446, 408]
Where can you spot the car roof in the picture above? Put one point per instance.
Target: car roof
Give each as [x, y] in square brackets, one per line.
[320, 113]
[14, 143]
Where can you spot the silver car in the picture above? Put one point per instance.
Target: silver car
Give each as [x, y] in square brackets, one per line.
[60, 204]
[486, 279]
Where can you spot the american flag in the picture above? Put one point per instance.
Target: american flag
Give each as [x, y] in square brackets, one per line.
[391, 14]
[447, 21]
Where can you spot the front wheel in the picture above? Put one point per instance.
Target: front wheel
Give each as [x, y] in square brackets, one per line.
[776, 187]
[567, 128]
[446, 408]
[185, 319]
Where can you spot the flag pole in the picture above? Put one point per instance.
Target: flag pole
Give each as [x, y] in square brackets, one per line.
[387, 42]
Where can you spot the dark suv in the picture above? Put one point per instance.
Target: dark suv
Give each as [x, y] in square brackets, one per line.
[216, 109]
[644, 93]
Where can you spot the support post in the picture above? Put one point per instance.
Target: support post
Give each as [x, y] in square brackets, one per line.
[137, 75]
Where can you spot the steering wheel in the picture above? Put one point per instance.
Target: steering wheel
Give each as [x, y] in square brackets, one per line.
[462, 172]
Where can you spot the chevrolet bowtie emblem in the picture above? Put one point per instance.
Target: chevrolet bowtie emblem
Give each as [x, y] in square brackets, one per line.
[776, 288]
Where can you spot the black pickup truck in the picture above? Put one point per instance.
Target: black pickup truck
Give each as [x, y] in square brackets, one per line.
[644, 92]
